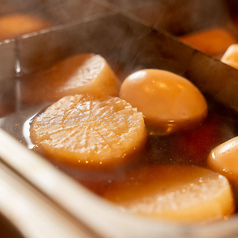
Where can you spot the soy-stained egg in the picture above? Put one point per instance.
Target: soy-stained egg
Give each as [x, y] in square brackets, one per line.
[169, 102]
[224, 160]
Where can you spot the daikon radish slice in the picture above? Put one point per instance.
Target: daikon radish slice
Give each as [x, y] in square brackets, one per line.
[83, 131]
[173, 193]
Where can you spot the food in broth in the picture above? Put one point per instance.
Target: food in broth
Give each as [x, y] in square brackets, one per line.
[174, 193]
[14, 25]
[223, 159]
[83, 131]
[231, 56]
[169, 102]
[78, 74]
[212, 41]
